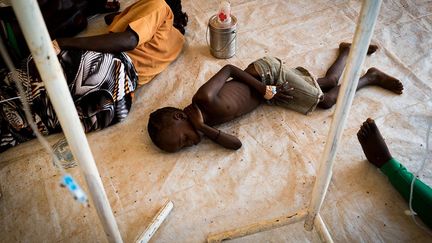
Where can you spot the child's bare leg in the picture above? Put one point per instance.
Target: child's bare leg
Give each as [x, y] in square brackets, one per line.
[373, 144]
[372, 77]
[335, 71]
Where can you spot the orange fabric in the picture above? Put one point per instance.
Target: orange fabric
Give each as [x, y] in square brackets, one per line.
[159, 41]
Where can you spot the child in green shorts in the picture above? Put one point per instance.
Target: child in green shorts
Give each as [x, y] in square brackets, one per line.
[222, 99]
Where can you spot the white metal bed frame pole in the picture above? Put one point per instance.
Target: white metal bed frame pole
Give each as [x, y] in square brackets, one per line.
[36, 34]
[350, 77]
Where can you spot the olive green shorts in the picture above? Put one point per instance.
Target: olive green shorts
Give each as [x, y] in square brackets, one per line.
[306, 94]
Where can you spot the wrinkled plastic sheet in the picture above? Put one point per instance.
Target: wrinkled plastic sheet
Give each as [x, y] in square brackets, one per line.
[214, 189]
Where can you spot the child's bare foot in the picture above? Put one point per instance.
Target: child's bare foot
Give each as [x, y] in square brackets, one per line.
[335, 71]
[373, 144]
[345, 46]
[377, 77]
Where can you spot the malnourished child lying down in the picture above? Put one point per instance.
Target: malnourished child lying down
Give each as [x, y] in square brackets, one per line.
[222, 99]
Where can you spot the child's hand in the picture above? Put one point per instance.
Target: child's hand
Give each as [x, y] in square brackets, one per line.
[283, 92]
[278, 92]
[194, 115]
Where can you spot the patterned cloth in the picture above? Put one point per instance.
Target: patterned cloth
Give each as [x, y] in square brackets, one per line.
[101, 85]
[306, 93]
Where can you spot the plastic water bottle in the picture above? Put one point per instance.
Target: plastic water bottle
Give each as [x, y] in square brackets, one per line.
[224, 13]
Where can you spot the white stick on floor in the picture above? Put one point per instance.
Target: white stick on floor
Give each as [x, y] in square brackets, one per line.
[257, 227]
[36, 34]
[156, 222]
[350, 77]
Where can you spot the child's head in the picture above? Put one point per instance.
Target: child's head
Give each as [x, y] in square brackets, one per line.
[170, 129]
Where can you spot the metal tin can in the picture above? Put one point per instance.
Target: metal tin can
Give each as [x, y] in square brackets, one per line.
[223, 41]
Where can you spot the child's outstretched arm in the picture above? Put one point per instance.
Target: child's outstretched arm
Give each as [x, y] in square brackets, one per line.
[225, 140]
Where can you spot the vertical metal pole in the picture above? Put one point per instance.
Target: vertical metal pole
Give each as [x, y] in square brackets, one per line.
[37, 37]
[350, 77]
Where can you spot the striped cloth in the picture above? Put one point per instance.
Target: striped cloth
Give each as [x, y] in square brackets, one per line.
[101, 85]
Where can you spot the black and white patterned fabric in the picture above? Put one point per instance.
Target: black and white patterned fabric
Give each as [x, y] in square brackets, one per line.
[101, 85]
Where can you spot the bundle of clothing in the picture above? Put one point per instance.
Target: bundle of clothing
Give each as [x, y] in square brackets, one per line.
[101, 86]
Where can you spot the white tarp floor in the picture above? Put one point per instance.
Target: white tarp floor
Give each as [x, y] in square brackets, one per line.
[214, 189]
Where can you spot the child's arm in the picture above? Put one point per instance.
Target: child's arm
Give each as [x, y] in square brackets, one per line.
[111, 42]
[209, 91]
[211, 88]
[225, 140]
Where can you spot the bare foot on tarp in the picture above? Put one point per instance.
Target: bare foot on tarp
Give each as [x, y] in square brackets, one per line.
[344, 46]
[373, 144]
[332, 77]
[385, 81]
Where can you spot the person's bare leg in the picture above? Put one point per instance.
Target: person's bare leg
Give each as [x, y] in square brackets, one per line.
[372, 77]
[373, 144]
[335, 71]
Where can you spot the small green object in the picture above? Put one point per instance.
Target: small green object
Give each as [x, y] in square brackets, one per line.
[12, 39]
